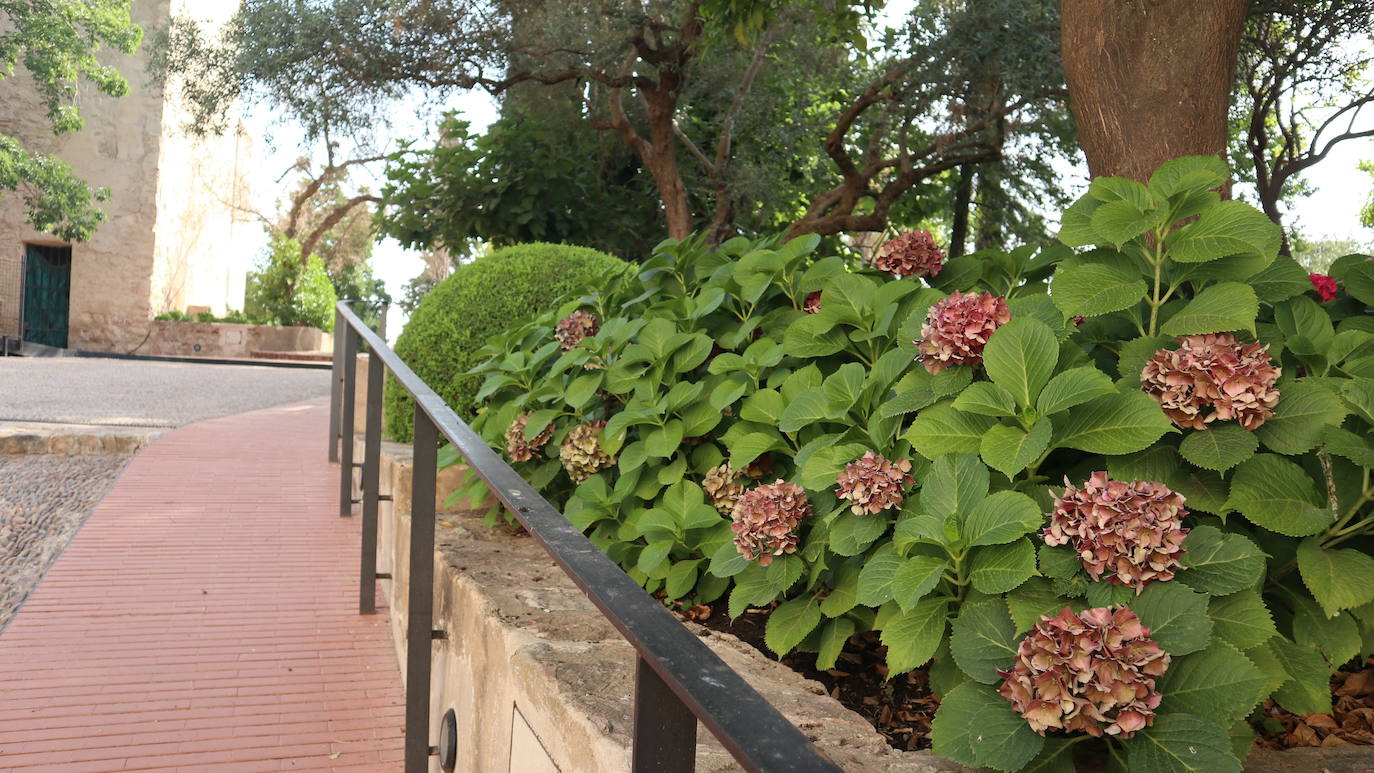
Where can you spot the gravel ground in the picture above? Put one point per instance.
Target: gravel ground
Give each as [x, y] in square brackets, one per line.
[44, 498]
[81, 390]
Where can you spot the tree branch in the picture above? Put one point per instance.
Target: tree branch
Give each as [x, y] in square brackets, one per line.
[308, 245]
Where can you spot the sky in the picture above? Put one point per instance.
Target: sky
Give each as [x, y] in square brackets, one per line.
[1331, 212]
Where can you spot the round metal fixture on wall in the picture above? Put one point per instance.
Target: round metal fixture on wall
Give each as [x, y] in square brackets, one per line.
[448, 741]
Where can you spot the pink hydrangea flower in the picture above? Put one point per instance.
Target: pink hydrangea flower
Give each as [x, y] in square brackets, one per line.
[766, 520]
[1213, 377]
[958, 327]
[1091, 673]
[911, 253]
[1131, 532]
[874, 483]
[575, 327]
[517, 448]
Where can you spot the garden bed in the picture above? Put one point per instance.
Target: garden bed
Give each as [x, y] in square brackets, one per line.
[521, 632]
[901, 709]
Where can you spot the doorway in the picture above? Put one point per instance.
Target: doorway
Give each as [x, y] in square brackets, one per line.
[47, 294]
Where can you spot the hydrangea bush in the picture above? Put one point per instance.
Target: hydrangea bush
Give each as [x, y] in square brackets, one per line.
[1111, 494]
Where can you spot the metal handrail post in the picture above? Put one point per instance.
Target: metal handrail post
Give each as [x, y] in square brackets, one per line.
[336, 385]
[348, 398]
[665, 731]
[372, 473]
[420, 605]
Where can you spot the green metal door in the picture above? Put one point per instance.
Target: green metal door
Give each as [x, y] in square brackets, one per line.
[47, 294]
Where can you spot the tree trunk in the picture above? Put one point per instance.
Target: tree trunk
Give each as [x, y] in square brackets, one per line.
[1149, 80]
[662, 164]
[963, 193]
[992, 208]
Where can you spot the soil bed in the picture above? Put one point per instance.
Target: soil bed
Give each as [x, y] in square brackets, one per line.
[1351, 722]
[901, 710]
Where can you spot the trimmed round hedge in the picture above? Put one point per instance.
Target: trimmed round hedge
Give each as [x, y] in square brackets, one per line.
[480, 300]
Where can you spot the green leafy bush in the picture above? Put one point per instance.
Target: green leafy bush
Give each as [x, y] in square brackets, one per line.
[233, 316]
[479, 300]
[1112, 494]
[283, 291]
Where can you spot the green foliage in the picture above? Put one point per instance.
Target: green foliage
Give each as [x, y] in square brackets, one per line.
[534, 176]
[282, 291]
[233, 316]
[57, 45]
[483, 299]
[706, 357]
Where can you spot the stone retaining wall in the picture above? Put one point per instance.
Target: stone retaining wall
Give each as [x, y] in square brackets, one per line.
[226, 339]
[541, 683]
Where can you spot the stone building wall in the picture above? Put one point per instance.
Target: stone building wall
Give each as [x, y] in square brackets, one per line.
[171, 235]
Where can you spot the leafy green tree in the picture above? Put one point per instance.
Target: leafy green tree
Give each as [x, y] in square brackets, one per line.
[1367, 211]
[57, 44]
[961, 84]
[1303, 87]
[283, 291]
[535, 175]
[355, 281]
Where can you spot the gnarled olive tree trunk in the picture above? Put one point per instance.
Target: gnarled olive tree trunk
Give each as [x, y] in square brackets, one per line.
[1149, 80]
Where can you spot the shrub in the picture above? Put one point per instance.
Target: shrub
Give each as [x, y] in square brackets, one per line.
[1141, 497]
[479, 300]
[282, 291]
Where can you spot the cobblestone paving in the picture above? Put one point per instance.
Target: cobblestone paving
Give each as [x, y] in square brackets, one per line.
[43, 500]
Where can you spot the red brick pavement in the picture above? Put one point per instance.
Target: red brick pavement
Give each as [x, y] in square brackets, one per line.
[204, 619]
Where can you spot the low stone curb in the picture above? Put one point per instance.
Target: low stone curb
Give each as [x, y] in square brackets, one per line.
[73, 439]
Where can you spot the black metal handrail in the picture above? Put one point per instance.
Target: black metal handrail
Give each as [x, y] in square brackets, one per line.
[678, 679]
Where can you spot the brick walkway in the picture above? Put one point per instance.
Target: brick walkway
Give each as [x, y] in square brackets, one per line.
[204, 619]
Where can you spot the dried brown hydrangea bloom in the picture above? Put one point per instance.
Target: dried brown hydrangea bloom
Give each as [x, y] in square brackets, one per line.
[1092, 673]
[766, 520]
[1210, 378]
[723, 488]
[519, 449]
[874, 483]
[958, 327]
[1131, 532]
[581, 452]
[911, 253]
[575, 327]
[812, 304]
[760, 468]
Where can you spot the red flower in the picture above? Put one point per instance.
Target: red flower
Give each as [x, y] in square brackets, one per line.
[1325, 286]
[812, 304]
